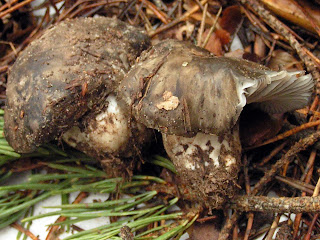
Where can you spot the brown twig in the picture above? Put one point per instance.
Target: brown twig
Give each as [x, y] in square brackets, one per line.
[274, 152]
[177, 20]
[228, 226]
[315, 217]
[250, 215]
[302, 186]
[24, 231]
[306, 176]
[288, 133]
[14, 8]
[273, 227]
[211, 29]
[53, 232]
[202, 24]
[8, 4]
[160, 14]
[275, 204]
[310, 229]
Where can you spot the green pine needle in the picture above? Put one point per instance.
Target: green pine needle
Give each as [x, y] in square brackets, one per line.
[69, 172]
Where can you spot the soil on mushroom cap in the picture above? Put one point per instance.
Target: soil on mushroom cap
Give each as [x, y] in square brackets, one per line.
[68, 71]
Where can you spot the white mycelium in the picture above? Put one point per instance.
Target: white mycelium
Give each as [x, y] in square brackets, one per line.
[200, 150]
[107, 132]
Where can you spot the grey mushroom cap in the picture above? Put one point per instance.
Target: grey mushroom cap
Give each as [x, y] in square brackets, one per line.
[180, 89]
[66, 73]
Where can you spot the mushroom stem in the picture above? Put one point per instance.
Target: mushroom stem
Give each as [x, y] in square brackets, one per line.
[207, 163]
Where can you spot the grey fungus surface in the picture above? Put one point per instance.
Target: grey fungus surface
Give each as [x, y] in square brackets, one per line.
[195, 99]
[178, 88]
[67, 72]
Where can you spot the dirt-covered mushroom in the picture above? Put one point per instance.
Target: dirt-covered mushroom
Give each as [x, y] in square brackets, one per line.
[195, 100]
[65, 74]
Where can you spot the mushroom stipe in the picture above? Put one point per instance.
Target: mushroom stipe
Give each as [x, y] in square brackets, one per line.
[82, 80]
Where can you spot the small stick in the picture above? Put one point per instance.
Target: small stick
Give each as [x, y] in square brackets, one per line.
[8, 4]
[205, 219]
[316, 189]
[203, 20]
[306, 111]
[306, 176]
[124, 10]
[254, 20]
[288, 133]
[310, 229]
[302, 186]
[235, 235]
[177, 20]
[275, 204]
[249, 226]
[15, 7]
[314, 58]
[143, 16]
[161, 15]
[227, 227]
[248, 191]
[273, 227]
[4, 68]
[272, 154]
[212, 28]
[53, 229]
[24, 231]
[268, 57]
[315, 217]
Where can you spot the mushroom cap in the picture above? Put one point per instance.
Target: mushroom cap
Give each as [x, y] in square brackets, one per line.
[65, 73]
[178, 88]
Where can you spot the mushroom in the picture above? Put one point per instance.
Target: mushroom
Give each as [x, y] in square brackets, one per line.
[64, 77]
[74, 81]
[195, 99]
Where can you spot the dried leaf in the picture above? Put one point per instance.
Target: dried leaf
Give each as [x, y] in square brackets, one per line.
[235, 54]
[214, 44]
[216, 41]
[259, 47]
[231, 19]
[257, 126]
[223, 35]
[284, 60]
[289, 11]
